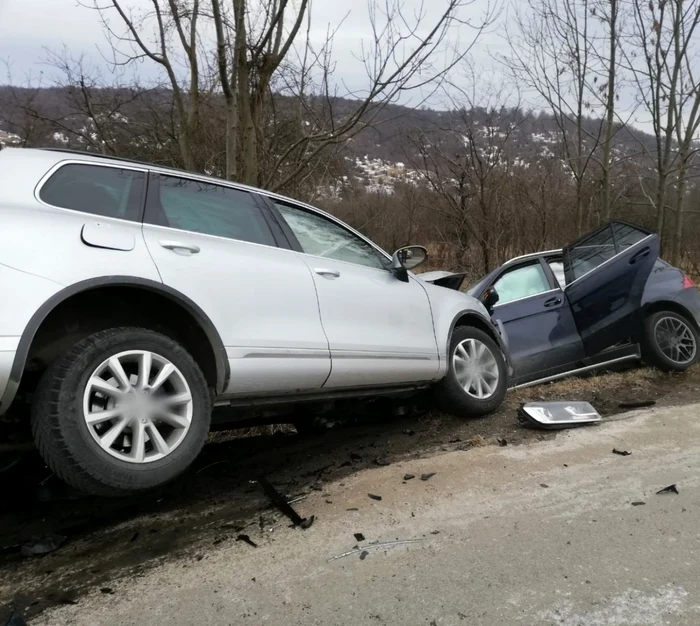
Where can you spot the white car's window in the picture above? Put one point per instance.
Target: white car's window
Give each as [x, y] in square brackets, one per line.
[521, 283]
[96, 189]
[322, 237]
[203, 207]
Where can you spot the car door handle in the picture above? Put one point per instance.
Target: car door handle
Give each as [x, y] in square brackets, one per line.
[640, 255]
[178, 245]
[324, 272]
[552, 301]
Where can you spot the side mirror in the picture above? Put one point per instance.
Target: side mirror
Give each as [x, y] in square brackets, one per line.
[407, 258]
[489, 298]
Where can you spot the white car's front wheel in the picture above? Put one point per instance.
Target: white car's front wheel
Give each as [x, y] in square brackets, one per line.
[477, 378]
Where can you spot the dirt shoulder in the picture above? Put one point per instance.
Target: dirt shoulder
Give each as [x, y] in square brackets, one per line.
[217, 500]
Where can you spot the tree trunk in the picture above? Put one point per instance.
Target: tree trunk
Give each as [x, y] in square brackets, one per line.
[677, 241]
[610, 112]
[661, 206]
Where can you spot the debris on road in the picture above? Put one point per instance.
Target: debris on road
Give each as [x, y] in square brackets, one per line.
[555, 415]
[374, 496]
[363, 555]
[427, 476]
[544, 485]
[638, 503]
[306, 523]
[247, 539]
[374, 546]
[107, 590]
[670, 489]
[281, 503]
[37, 546]
[354, 508]
[359, 537]
[409, 476]
[621, 452]
[638, 404]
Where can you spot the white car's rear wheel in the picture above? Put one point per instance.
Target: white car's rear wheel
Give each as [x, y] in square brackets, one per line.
[125, 410]
[477, 378]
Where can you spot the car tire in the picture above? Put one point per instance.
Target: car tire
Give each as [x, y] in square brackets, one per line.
[658, 352]
[451, 391]
[71, 388]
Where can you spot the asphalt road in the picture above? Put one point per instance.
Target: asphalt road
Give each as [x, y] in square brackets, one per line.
[541, 533]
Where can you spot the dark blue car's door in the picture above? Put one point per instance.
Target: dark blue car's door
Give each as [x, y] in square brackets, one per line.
[606, 272]
[542, 335]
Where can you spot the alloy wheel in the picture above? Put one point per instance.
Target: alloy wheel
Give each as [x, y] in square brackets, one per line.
[675, 339]
[476, 368]
[138, 406]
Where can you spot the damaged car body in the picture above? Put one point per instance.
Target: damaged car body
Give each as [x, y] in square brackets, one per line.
[604, 300]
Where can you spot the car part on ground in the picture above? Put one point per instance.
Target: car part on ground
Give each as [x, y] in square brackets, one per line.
[229, 296]
[557, 415]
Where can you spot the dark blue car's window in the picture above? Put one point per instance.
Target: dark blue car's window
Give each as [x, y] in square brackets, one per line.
[521, 283]
[600, 246]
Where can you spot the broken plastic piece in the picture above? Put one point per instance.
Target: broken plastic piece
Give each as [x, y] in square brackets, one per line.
[373, 546]
[374, 497]
[638, 503]
[42, 545]
[307, 522]
[408, 476]
[427, 476]
[281, 503]
[553, 415]
[247, 539]
[639, 404]
[669, 489]
[621, 452]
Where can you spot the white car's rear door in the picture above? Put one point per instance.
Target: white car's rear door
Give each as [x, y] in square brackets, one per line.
[213, 244]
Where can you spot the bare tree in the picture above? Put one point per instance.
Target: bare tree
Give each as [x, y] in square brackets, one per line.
[552, 54]
[661, 60]
[175, 24]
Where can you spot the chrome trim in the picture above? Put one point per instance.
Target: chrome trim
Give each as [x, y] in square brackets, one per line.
[581, 370]
[542, 293]
[597, 267]
[531, 255]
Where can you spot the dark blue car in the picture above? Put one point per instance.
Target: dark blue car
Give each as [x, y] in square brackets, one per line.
[605, 299]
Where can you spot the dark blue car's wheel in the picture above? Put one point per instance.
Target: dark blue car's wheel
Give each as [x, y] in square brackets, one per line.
[670, 341]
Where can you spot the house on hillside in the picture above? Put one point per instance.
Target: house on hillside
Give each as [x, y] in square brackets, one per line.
[9, 139]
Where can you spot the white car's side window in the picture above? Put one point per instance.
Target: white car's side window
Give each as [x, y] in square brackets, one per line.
[203, 207]
[322, 237]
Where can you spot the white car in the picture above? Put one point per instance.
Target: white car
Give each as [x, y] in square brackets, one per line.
[136, 298]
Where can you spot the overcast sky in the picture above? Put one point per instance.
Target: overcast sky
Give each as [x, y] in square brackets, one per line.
[27, 27]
